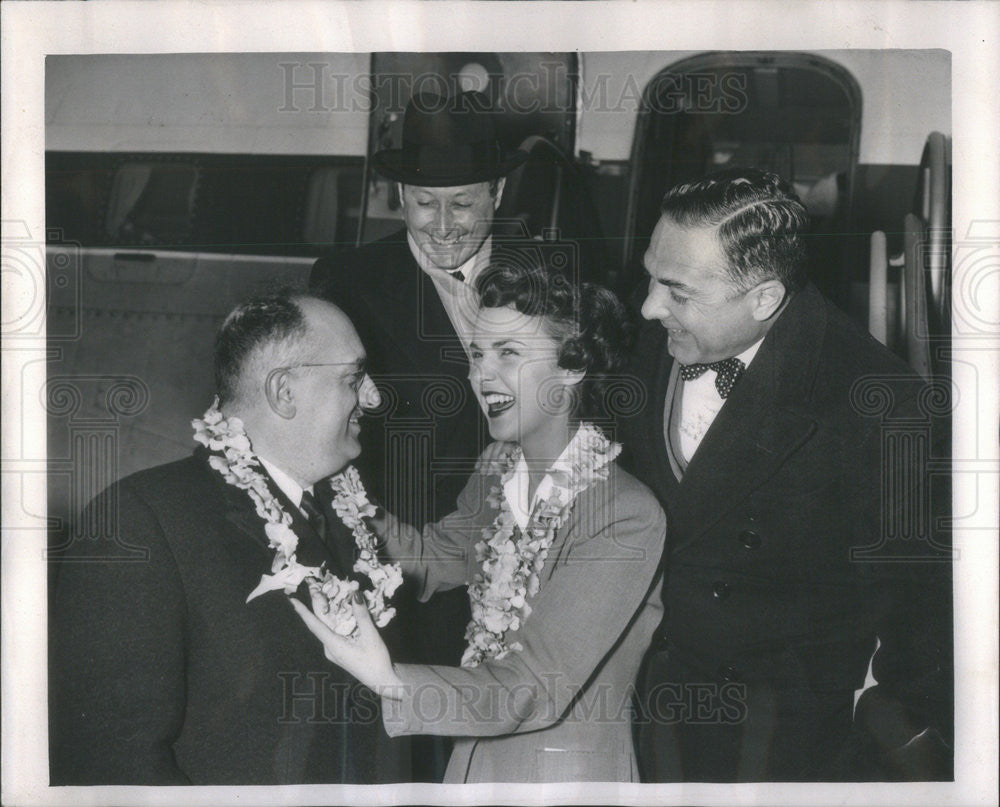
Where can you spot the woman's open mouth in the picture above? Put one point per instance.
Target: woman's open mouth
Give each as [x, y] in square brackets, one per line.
[497, 403]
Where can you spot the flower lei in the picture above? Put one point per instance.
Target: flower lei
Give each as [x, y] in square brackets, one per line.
[512, 560]
[240, 467]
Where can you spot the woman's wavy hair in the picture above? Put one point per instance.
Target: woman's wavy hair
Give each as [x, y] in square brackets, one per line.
[760, 223]
[590, 323]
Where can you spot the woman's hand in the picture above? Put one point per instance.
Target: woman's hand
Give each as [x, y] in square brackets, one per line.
[388, 529]
[364, 656]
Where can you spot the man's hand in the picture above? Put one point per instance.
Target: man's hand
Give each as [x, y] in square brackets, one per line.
[926, 756]
[910, 752]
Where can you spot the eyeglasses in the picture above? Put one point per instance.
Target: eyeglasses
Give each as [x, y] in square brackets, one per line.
[359, 365]
[360, 373]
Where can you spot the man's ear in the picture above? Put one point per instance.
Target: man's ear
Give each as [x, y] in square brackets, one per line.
[496, 201]
[767, 298]
[399, 190]
[278, 391]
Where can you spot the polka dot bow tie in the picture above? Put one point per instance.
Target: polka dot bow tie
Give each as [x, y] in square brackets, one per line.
[727, 373]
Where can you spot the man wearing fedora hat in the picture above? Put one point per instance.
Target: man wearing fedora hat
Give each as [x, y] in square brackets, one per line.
[411, 295]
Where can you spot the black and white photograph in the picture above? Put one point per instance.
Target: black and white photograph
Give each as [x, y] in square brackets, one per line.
[478, 403]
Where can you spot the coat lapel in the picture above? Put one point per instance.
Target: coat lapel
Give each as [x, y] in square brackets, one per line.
[762, 423]
[665, 363]
[342, 545]
[412, 315]
[240, 513]
[237, 507]
[652, 364]
[314, 550]
[398, 281]
[387, 294]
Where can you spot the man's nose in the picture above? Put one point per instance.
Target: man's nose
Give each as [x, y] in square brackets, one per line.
[368, 396]
[655, 305]
[444, 221]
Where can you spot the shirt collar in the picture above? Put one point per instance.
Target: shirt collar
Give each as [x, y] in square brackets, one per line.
[516, 489]
[747, 355]
[470, 269]
[292, 489]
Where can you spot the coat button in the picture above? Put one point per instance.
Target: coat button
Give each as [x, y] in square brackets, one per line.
[750, 539]
[727, 672]
[721, 589]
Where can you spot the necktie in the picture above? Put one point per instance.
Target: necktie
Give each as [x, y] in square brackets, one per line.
[457, 274]
[315, 515]
[320, 520]
[727, 373]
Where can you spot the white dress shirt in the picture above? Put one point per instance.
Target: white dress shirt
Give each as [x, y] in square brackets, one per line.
[292, 489]
[459, 298]
[700, 402]
[516, 489]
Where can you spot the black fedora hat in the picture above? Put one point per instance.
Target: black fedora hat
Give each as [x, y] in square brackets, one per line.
[447, 140]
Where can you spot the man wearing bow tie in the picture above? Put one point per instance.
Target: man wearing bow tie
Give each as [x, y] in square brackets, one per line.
[771, 464]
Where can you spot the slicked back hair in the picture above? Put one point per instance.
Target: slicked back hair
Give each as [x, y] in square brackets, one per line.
[759, 222]
[263, 321]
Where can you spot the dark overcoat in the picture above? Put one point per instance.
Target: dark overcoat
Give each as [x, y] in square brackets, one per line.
[799, 538]
[161, 673]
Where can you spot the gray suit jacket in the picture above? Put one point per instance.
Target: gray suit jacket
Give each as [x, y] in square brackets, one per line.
[559, 709]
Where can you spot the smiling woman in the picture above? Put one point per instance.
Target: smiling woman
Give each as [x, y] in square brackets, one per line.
[520, 386]
[543, 691]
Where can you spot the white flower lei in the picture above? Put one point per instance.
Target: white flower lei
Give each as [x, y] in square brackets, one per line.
[511, 560]
[240, 467]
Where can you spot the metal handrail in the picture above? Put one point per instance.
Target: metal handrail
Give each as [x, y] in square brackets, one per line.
[933, 196]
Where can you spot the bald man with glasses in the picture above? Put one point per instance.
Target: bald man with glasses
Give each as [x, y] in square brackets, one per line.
[161, 670]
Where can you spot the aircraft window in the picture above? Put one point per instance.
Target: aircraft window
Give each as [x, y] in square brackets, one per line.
[152, 203]
[332, 207]
[473, 76]
[321, 209]
[214, 203]
[75, 193]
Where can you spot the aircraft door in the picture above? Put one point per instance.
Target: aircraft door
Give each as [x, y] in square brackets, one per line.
[535, 97]
[796, 114]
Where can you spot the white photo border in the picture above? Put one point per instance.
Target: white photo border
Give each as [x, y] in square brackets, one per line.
[970, 31]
